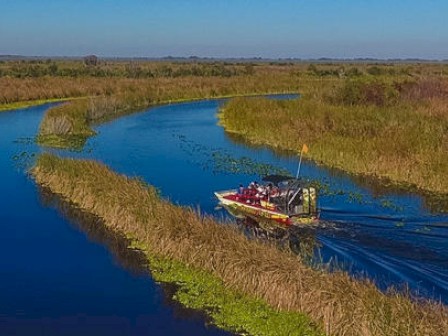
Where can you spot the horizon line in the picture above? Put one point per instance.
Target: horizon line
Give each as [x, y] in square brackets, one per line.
[195, 57]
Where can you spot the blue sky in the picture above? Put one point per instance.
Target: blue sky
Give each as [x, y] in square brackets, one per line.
[227, 28]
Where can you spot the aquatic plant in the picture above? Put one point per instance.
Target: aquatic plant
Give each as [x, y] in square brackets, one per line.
[226, 163]
[338, 303]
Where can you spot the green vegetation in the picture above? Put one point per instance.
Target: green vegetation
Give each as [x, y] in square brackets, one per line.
[382, 119]
[228, 308]
[91, 67]
[25, 104]
[214, 264]
[115, 88]
[14, 90]
[45, 79]
[394, 128]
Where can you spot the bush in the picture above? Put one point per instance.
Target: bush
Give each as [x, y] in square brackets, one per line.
[366, 92]
[91, 60]
[425, 88]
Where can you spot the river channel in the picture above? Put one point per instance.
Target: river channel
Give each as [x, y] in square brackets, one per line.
[59, 273]
[55, 274]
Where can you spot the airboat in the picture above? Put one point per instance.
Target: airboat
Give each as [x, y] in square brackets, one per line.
[279, 198]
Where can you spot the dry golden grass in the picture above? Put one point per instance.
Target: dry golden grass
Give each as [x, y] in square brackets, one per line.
[26, 89]
[394, 137]
[69, 125]
[20, 82]
[342, 305]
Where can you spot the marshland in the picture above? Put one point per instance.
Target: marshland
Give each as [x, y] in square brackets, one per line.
[381, 120]
[334, 302]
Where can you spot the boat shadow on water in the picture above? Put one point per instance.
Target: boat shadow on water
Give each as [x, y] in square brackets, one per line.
[300, 240]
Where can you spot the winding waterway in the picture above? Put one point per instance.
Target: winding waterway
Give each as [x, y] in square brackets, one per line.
[181, 149]
[54, 275]
[58, 274]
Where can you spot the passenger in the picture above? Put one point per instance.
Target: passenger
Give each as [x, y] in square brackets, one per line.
[275, 192]
[250, 192]
[241, 190]
[252, 189]
[261, 192]
[254, 185]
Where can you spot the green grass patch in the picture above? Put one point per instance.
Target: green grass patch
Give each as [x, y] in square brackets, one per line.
[71, 142]
[29, 103]
[228, 309]
[37, 102]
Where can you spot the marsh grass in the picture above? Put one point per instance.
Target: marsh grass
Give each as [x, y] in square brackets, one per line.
[73, 120]
[373, 133]
[335, 301]
[265, 79]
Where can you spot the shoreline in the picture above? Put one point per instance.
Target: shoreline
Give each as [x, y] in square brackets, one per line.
[31, 103]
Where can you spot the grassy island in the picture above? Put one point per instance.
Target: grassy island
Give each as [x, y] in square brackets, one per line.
[393, 127]
[245, 285]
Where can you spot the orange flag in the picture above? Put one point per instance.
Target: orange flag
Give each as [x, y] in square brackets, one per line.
[305, 148]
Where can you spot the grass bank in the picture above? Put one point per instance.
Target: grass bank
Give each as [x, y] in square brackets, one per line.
[29, 103]
[214, 264]
[391, 129]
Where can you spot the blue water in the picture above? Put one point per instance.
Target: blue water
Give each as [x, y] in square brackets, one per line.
[58, 278]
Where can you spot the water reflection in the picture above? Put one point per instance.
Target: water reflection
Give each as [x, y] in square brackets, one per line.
[132, 260]
[96, 231]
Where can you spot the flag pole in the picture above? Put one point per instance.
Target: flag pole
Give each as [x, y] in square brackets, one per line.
[300, 163]
[304, 150]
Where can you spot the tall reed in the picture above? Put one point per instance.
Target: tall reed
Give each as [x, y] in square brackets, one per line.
[369, 132]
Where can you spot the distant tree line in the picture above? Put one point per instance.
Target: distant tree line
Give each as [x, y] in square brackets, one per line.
[90, 66]
[355, 71]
